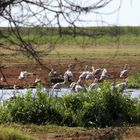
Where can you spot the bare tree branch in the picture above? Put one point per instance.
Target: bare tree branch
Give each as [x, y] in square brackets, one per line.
[43, 13]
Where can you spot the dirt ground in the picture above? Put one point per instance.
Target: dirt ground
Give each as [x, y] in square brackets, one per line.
[11, 73]
[122, 133]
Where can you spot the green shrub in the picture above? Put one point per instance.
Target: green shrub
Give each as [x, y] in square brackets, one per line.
[28, 109]
[101, 108]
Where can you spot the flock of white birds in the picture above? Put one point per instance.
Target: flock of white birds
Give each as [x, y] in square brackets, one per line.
[96, 76]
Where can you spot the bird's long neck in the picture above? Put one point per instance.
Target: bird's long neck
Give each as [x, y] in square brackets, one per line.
[93, 69]
[125, 67]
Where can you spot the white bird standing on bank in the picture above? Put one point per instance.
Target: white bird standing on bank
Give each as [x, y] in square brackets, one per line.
[104, 75]
[24, 74]
[124, 73]
[85, 72]
[123, 85]
[88, 75]
[68, 75]
[67, 78]
[79, 85]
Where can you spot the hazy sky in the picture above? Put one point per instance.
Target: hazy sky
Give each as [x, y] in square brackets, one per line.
[127, 15]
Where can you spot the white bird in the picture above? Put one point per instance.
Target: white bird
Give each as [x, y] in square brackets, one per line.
[104, 75]
[83, 75]
[37, 80]
[2, 78]
[67, 78]
[90, 75]
[121, 86]
[73, 85]
[85, 72]
[79, 85]
[58, 85]
[94, 85]
[68, 75]
[124, 73]
[24, 74]
[79, 88]
[96, 72]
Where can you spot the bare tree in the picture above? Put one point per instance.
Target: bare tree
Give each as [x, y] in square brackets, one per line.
[43, 13]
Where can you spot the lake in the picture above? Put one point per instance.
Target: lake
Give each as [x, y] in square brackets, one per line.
[8, 93]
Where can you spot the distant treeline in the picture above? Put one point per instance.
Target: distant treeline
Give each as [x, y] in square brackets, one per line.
[98, 31]
[89, 31]
[43, 35]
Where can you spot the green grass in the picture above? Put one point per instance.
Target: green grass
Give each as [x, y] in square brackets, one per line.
[79, 40]
[93, 42]
[92, 53]
[134, 81]
[18, 131]
[11, 133]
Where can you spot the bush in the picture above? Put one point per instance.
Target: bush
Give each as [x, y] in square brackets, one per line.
[89, 109]
[28, 109]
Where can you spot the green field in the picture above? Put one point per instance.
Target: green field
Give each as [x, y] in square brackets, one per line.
[100, 46]
[80, 36]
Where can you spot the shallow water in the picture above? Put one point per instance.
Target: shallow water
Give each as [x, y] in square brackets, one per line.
[8, 93]
[134, 92]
